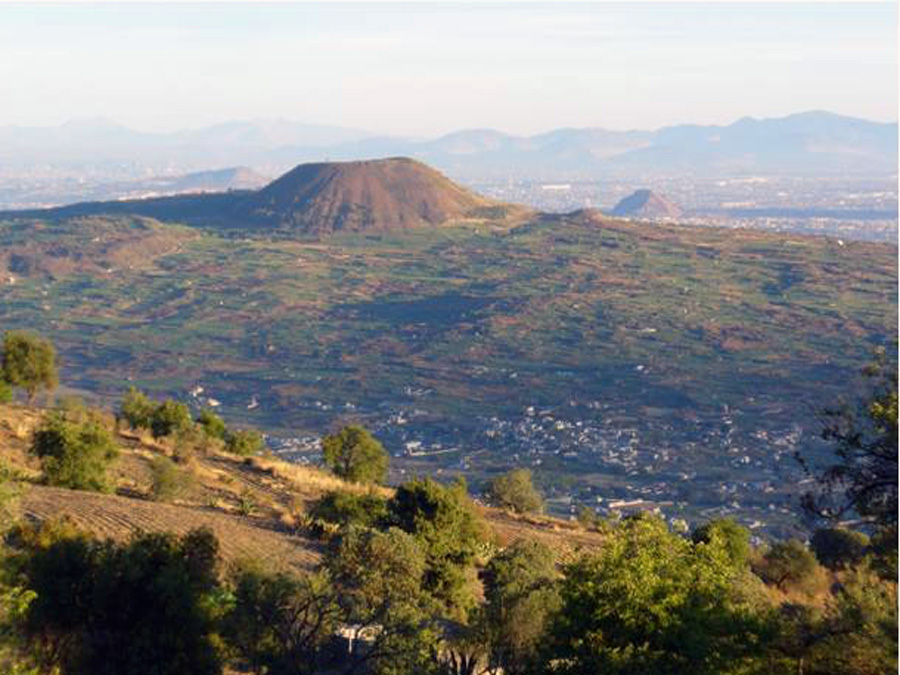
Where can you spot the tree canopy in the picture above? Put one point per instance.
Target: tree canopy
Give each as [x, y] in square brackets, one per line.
[28, 361]
[354, 454]
[515, 490]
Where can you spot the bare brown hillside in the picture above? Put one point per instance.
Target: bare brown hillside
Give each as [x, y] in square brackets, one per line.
[384, 194]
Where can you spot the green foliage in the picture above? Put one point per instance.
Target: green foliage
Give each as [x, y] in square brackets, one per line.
[377, 578]
[137, 409]
[838, 547]
[28, 361]
[652, 602]
[515, 490]
[280, 623]
[9, 495]
[74, 450]
[137, 608]
[244, 442]
[787, 563]
[169, 481]
[734, 538]
[212, 424]
[346, 508]
[447, 529]
[354, 454]
[170, 417]
[521, 597]
[6, 392]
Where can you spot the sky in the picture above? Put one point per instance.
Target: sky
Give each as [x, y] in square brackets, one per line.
[421, 70]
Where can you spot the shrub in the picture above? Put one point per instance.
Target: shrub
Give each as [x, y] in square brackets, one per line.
[515, 490]
[354, 454]
[838, 547]
[244, 442]
[74, 453]
[212, 425]
[137, 409]
[170, 417]
[345, 508]
[169, 481]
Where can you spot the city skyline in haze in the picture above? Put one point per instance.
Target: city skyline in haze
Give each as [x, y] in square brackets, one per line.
[424, 70]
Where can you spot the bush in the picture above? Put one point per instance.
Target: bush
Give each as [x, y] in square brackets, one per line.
[354, 454]
[838, 547]
[515, 490]
[169, 481]
[170, 417]
[244, 442]
[787, 563]
[74, 453]
[212, 425]
[137, 409]
[345, 508]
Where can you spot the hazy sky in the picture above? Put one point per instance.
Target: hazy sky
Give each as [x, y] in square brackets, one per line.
[427, 69]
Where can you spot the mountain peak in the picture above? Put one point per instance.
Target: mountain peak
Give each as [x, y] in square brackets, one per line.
[645, 203]
[379, 194]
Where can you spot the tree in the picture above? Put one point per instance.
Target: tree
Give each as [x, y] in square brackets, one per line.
[29, 362]
[515, 490]
[734, 538]
[652, 602]
[787, 563]
[864, 479]
[140, 607]
[280, 623]
[838, 547]
[354, 454]
[244, 442]
[377, 579]
[74, 450]
[521, 597]
[170, 417]
[444, 524]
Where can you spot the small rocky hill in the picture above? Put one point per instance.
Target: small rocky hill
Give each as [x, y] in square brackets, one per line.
[646, 204]
[383, 194]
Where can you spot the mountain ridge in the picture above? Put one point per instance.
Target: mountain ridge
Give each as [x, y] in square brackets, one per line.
[810, 142]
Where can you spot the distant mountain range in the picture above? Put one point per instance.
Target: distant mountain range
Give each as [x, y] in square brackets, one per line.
[809, 143]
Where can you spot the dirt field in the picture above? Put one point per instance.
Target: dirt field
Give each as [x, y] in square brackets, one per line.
[119, 517]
